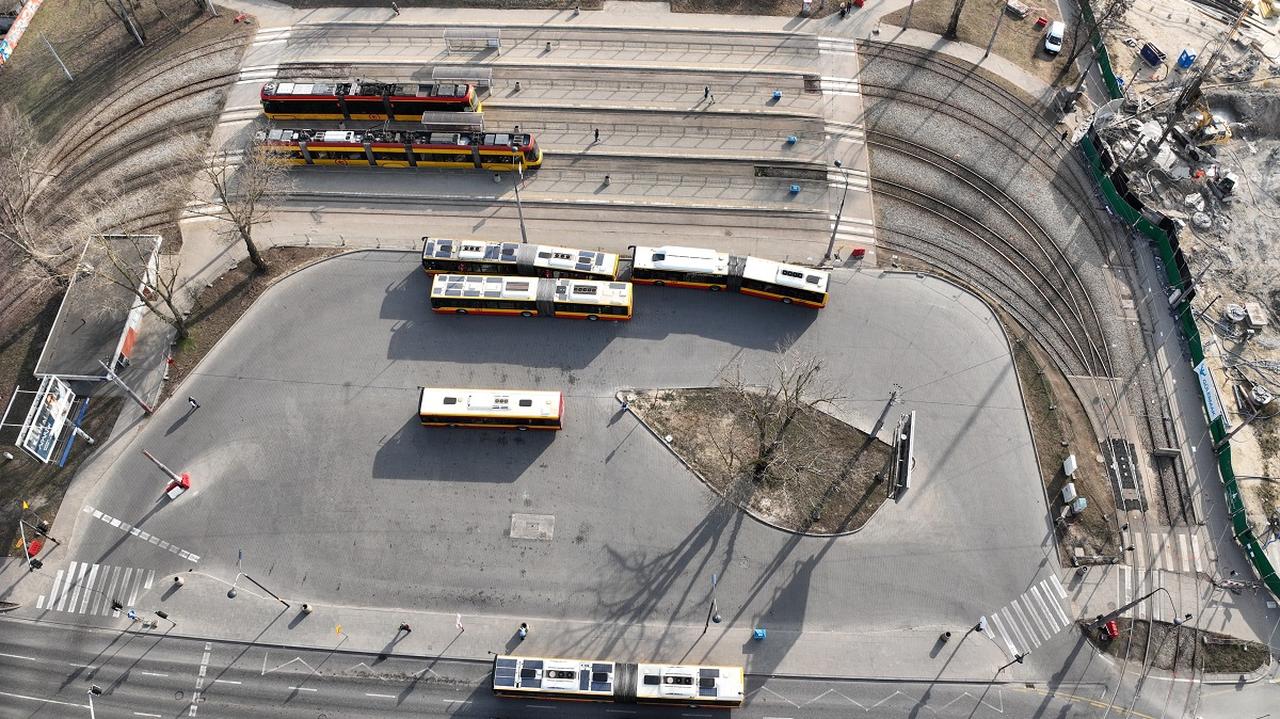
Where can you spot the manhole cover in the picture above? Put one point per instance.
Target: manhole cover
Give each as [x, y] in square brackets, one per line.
[533, 526]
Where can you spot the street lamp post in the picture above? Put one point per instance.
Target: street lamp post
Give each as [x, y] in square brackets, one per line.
[524, 237]
[836, 228]
[712, 614]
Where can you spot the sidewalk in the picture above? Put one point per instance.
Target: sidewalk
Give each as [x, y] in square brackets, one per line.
[201, 609]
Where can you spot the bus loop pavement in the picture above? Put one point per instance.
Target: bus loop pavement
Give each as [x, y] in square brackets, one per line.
[308, 463]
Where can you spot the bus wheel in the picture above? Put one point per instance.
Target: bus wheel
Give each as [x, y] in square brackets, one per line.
[786, 300]
[659, 283]
[593, 318]
[523, 429]
[460, 311]
[526, 313]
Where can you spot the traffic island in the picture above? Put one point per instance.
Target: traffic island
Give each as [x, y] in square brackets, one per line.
[1179, 648]
[814, 474]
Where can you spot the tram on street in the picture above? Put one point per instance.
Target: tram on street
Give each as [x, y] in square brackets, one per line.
[315, 99]
[707, 269]
[685, 685]
[446, 256]
[497, 151]
[490, 408]
[531, 296]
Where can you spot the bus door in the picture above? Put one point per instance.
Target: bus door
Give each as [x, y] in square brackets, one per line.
[737, 265]
[546, 298]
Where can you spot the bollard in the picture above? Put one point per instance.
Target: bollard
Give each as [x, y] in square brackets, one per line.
[777, 94]
[179, 581]
[307, 608]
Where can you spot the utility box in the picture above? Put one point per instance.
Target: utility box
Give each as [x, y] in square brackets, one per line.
[1069, 493]
[1069, 465]
[1079, 505]
[1255, 316]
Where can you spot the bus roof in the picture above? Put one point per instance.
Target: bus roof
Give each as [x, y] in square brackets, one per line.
[616, 294]
[682, 259]
[659, 681]
[485, 287]
[544, 256]
[532, 672]
[489, 402]
[805, 278]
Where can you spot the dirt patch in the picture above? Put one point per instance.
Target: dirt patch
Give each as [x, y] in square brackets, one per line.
[705, 429]
[1017, 41]
[43, 485]
[1181, 649]
[219, 307]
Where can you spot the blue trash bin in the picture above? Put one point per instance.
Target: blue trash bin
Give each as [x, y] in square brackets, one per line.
[795, 189]
[758, 633]
[1186, 59]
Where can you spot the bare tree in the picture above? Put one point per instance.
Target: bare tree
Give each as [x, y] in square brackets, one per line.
[954, 25]
[122, 261]
[24, 226]
[245, 185]
[1107, 16]
[776, 411]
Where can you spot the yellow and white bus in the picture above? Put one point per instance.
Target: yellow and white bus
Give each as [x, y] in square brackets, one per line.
[531, 296]
[710, 270]
[605, 681]
[478, 257]
[490, 408]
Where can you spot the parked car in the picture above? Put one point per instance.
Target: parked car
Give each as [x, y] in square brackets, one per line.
[1053, 37]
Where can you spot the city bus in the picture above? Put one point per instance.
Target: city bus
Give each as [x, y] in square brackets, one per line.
[478, 257]
[601, 680]
[490, 408]
[531, 296]
[711, 270]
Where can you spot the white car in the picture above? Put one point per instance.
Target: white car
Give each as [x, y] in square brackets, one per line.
[1053, 37]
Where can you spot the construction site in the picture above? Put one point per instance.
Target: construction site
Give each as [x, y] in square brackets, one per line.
[1191, 143]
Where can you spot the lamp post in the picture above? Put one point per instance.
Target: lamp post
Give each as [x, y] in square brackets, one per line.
[836, 228]
[524, 237]
[712, 614]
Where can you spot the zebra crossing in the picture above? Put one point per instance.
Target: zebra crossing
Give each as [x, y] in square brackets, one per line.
[84, 588]
[1033, 618]
[1176, 550]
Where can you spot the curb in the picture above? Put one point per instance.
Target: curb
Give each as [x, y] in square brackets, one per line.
[1253, 677]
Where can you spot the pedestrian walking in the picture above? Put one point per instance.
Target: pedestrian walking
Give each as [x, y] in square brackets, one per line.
[523, 631]
[194, 404]
[404, 627]
[706, 92]
[132, 614]
[395, 9]
[597, 134]
[625, 406]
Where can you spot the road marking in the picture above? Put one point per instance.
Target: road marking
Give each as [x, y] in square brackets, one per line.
[226, 681]
[1034, 624]
[75, 595]
[40, 602]
[1049, 619]
[136, 532]
[539, 706]
[17, 656]
[88, 588]
[1057, 586]
[1013, 625]
[154, 674]
[1157, 550]
[1195, 553]
[627, 711]
[1183, 554]
[380, 696]
[995, 620]
[1057, 606]
[204, 667]
[144, 714]
[303, 689]
[685, 714]
[45, 701]
[456, 701]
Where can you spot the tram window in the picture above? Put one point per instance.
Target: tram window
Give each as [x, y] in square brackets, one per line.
[366, 107]
[526, 403]
[450, 400]
[652, 680]
[528, 673]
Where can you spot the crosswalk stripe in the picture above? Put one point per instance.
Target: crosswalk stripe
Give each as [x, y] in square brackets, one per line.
[1157, 552]
[75, 589]
[1183, 554]
[40, 602]
[1057, 586]
[1013, 625]
[151, 574]
[995, 621]
[66, 586]
[1050, 621]
[1041, 624]
[99, 587]
[1157, 607]
[102, 604]
[1057, 606]
[88, 588]
[1122, 586]
[1031, 630]
[1195, 553]
[1139, 550]
[53, 591]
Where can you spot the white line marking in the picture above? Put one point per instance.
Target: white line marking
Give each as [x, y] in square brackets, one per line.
[151, 574]
[1000, 629]
[1157, 550]
[144, 714]
[66, 586]
[1183, 554]
[1013, 625]
[154, 674]
[1057, 606]
[303, 689]
[380, 696]
[1049, 619]
[45, 701]
[1057, 585]
[226, 681]
[40, 602]
[456, 701]
[75, 593]
[1031, 629]
[17, 656]
[1195, 553]
[88, 588]
[97, 513]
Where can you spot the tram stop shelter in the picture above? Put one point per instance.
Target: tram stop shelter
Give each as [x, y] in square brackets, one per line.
[101, 313]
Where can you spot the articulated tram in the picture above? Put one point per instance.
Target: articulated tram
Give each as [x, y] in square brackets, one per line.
[364, 99]
[405, 148]
[606, 681]
[711, 270]
[478, 257]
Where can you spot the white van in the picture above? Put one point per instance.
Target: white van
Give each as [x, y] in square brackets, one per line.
[1053, 37]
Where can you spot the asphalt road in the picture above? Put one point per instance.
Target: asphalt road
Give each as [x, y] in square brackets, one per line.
[46, 671]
